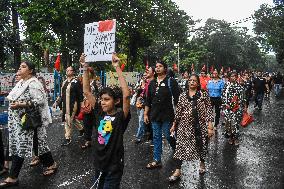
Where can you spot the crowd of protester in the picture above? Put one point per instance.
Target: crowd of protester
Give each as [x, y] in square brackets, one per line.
[186, 111]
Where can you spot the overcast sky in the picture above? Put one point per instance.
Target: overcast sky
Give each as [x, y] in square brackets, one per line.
[228, 10]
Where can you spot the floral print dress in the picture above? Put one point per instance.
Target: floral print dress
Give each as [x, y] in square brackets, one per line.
[233, 101]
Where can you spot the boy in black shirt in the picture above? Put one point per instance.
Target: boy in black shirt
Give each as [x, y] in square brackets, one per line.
[108, 135]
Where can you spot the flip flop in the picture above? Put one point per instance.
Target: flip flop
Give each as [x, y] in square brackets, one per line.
[6, 184]
[174, 178]
[86, 145]
[202, 171]
[51, 170]
[35, 161]
[153, 165]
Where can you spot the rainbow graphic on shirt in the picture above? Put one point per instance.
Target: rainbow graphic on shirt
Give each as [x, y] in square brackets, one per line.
[104, 130]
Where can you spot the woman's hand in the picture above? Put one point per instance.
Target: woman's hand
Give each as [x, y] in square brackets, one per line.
[146, 119]
[82, 60]
[16, 105]
[115, 60]
[211, 131]
[173, 128]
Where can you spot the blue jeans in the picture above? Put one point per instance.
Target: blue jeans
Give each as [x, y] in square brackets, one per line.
[158, 127]
[259, 99]
[108, 180]
[277, 89]
[141, 127]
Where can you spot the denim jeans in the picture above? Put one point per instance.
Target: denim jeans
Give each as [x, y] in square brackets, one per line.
[108, 180]
[259, 99]
[277, 89]
[158, 128]
[141, 127]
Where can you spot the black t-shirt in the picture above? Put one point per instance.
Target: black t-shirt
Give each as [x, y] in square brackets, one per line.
[108, 142]
[259, 85]
[159, 99]
[248, 88]
[278, 79]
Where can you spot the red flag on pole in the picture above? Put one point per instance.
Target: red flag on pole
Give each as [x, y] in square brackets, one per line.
[122, 67]
[175, 68]
[57, 63]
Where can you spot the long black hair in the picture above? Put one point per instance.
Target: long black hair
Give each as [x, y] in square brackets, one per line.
[31, 66]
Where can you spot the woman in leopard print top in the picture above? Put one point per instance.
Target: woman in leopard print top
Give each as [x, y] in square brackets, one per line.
[193, 125]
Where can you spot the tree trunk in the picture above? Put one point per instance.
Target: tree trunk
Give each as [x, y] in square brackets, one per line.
[16, 38]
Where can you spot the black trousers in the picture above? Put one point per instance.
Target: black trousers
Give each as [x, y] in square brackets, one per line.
[2, 155]
[17, 163]
[35, 143]
[216, 102]
[149, 131]
[89, 121]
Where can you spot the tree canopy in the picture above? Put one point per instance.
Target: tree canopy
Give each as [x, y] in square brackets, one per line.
[146, 31]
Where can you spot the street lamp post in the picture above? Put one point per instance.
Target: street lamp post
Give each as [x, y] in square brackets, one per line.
[177, 45]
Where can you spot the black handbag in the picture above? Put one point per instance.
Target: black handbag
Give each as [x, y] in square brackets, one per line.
[31, 119]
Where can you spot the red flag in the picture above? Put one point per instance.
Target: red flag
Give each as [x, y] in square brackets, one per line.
[57, 63]
[192, 67]
[212, 69]
[122, 67]
[203, 68]
[175, 68]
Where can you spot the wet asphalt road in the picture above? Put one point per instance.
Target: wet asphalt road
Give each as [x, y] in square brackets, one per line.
[257, 163]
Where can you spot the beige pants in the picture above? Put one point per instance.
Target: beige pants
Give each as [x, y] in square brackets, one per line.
[69, 123]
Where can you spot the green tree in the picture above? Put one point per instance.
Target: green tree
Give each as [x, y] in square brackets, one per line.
[269, 26]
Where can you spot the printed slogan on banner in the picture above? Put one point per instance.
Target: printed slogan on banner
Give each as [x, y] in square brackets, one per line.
[99, 40]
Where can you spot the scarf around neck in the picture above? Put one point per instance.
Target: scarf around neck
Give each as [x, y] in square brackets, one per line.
[19, 89]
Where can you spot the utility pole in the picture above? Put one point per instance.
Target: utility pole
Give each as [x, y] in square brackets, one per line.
[177, 45]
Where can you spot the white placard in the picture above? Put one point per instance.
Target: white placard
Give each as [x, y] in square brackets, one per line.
[99, 40]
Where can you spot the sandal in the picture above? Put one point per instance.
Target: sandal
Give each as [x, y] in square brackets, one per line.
[231, 141]
[4, 171]
[86, 145]
[175, 177]
[236, 142]
[35, 161]
[154, 165]
[202, 170]
[51, 170]
[6, 184]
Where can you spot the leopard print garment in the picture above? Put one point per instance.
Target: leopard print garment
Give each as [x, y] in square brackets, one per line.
[187, 148]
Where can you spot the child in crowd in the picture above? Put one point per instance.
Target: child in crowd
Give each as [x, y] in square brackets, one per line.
[108, 135]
